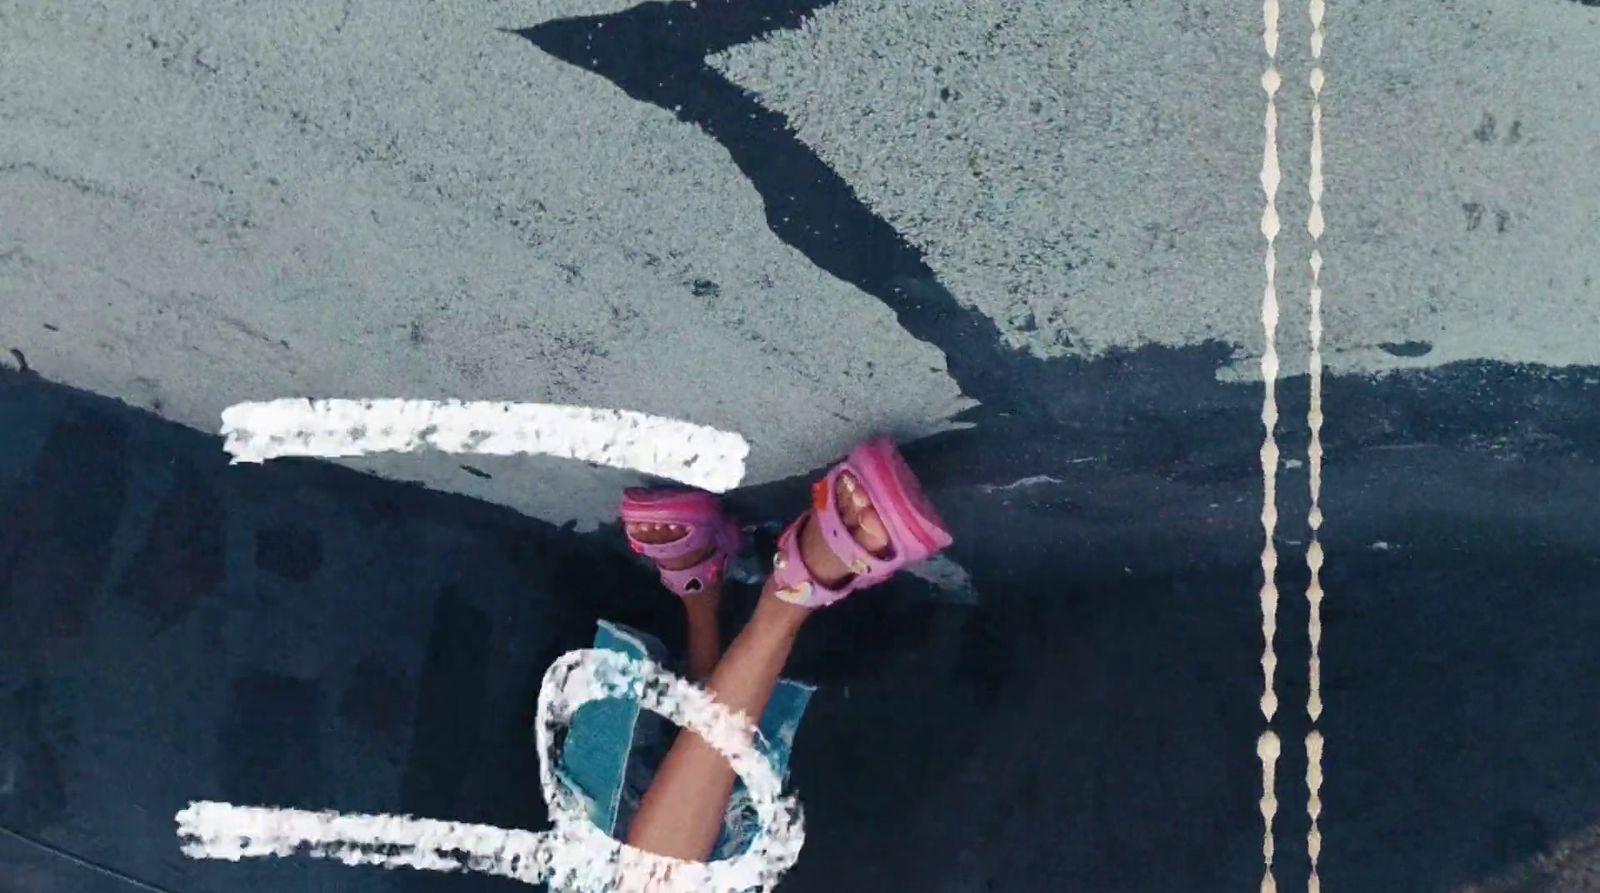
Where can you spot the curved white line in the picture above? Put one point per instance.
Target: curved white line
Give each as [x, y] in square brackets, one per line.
[575, 855]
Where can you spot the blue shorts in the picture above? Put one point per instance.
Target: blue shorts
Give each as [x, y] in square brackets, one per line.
[613, 748]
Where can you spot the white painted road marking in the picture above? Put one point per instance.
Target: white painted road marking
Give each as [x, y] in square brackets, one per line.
[1267, 747]
[1314, 225]
[575, 855]
[692, 454]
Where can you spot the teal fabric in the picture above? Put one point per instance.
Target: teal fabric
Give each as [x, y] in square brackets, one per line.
[778, 725]
[613, 747]
[602, 735]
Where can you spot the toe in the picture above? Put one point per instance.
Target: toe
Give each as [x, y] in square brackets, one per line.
[654, 532]
[870, 532]
[852, 498]
[848, 513]
[859, 517]
[852, 495]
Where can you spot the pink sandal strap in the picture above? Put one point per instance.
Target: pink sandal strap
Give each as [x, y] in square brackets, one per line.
[699, 577]
[794, 582]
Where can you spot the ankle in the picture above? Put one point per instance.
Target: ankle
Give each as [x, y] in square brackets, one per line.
[703, 604]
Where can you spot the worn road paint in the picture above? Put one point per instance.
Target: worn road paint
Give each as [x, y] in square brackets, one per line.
[227, 832]
[1267, 747]
[692, 454]
[1314, 806]
[1269, 373]
[1315, 226]
[575, 855]
[952, 583]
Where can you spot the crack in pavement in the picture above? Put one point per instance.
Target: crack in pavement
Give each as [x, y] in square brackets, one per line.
[656, 53]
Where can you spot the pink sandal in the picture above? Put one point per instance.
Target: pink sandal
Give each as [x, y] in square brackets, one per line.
[915, 529]
[707, 524]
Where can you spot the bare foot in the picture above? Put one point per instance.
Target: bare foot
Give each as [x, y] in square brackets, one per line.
[860, 518]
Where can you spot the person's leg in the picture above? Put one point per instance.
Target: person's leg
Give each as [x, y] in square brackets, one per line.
[705, 635]
[682, 811]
